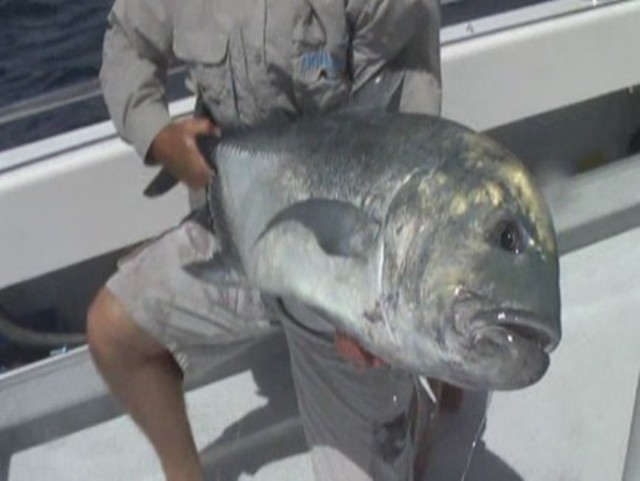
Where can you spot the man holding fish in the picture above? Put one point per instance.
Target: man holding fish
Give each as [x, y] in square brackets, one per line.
[255, 63]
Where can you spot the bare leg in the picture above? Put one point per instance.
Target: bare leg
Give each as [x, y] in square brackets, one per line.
[143, 375]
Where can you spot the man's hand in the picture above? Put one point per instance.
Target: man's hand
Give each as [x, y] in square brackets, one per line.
[176, 149]
[348, 348]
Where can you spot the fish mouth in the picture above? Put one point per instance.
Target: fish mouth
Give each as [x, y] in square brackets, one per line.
[515, 326]
[502, 347]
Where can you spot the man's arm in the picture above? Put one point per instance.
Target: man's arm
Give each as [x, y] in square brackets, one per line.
[137, 52]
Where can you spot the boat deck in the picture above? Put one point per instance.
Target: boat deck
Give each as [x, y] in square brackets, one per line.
[535, 434]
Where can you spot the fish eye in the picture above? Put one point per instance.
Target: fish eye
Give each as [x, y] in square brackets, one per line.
[509, 236]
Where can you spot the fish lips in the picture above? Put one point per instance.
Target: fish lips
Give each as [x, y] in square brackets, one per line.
[514, 344]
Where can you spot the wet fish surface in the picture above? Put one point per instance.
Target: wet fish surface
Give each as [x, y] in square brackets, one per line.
[427, 242]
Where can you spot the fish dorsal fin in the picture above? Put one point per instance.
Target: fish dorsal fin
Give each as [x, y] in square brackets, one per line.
[340, 228]
[219, 270]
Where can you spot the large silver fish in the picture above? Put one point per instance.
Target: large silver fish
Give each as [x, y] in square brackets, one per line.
[427, 242]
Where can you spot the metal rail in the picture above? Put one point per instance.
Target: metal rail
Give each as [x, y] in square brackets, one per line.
[62, 97]
[44, 103]
[632, 462]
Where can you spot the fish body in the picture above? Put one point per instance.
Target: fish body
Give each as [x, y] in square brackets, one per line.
[427, 242]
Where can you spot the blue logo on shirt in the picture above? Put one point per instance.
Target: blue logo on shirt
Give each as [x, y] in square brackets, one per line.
[321, 61]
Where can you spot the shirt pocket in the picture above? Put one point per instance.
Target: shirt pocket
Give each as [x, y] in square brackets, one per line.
[320, 55]
[203, 44]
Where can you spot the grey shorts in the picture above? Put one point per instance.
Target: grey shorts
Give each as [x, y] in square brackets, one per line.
[356, 420]
[181, 312]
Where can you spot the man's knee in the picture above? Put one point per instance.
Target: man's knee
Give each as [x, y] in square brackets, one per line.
[112, 332]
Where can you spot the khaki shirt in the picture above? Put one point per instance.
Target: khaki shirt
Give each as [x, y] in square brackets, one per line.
[252, 59]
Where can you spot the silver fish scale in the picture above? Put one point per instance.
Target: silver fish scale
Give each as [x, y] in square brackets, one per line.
[348, 150]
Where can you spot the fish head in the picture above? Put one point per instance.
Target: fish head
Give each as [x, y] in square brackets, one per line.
[470, 270]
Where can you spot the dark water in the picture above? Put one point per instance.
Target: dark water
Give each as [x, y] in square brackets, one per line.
[48, 45]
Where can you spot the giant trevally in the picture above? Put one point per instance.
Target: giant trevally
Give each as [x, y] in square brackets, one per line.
[427, 242]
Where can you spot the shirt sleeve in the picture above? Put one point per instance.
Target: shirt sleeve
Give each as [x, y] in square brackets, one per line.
[136, 54]
[401, 35]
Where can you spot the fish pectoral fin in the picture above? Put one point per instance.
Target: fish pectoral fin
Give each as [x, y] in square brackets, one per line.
[340, 228]
[218, 270]
[288, 262]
